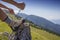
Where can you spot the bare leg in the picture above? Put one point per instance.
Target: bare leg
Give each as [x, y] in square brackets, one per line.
[22, 31]
[3, 16]
[11, 10]
[19, 5]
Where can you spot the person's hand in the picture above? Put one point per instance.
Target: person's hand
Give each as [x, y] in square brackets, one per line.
[3, 16]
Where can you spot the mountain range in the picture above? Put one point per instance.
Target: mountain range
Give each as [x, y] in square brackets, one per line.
[42, 22]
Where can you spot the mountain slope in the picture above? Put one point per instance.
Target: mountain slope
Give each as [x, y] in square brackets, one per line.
[37, 34]
[42, 22]
[56, 21]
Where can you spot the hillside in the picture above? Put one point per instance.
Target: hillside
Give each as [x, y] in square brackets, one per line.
[56, 21]
[36, 33]
[42, 22]
[4, 28]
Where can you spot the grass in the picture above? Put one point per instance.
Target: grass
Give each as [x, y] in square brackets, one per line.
[37, 34]
[4, 28]
[2, 37]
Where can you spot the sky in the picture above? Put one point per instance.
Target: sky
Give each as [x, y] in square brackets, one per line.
[49, 9]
